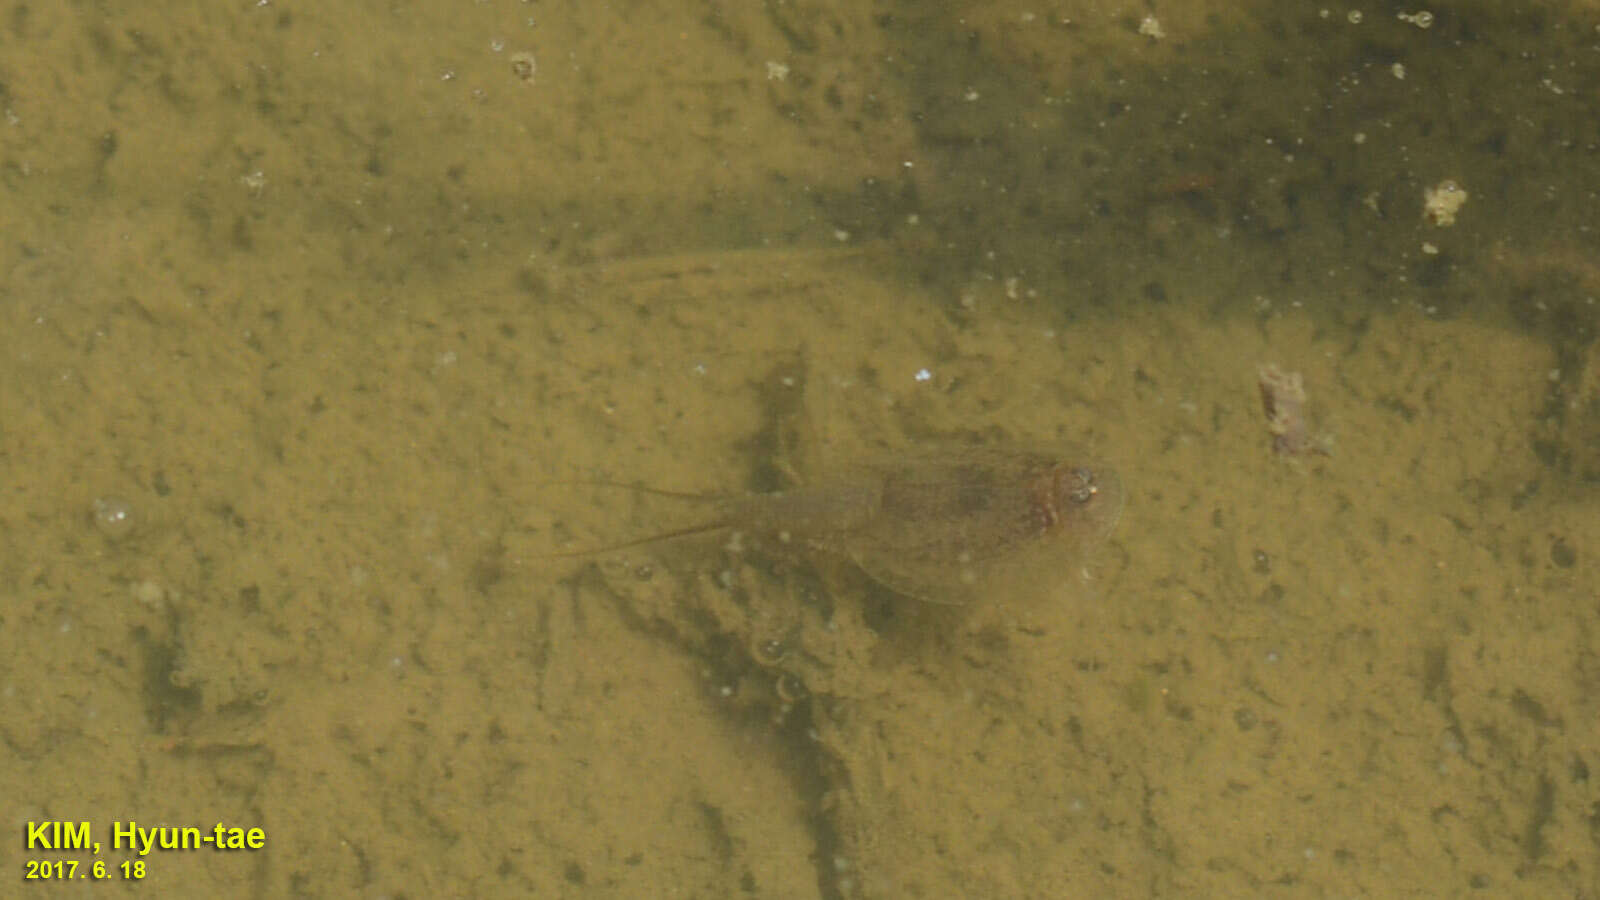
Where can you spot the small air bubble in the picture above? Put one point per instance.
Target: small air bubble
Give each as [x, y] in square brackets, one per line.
[114, 518]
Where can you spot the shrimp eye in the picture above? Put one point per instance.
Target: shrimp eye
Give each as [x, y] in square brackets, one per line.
[1085, 488]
